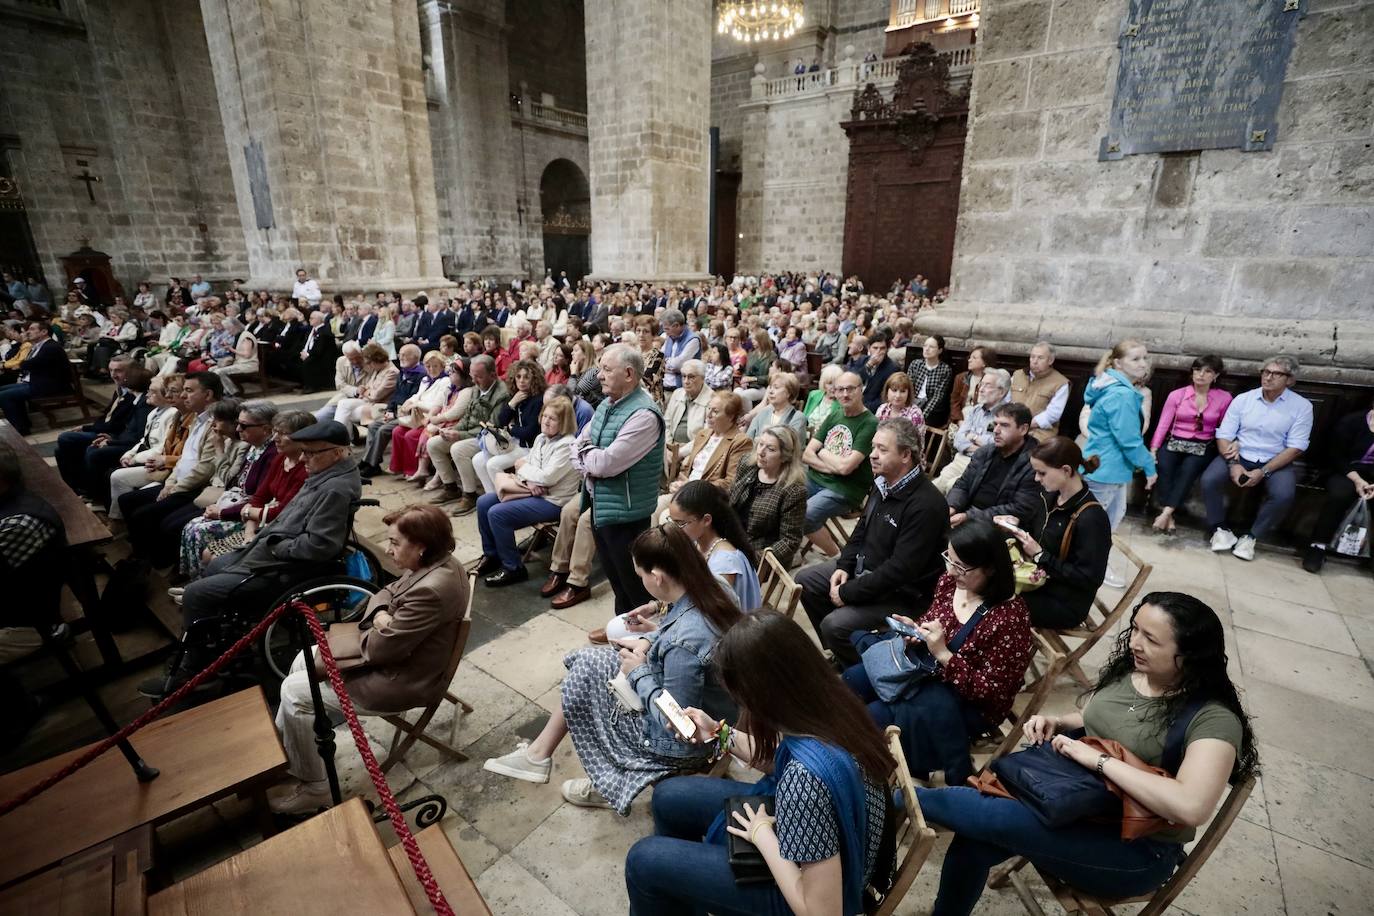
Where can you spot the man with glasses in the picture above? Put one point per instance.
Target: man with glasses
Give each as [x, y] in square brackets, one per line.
[305, 541]
[892, 560]
[1263, 432]
[837, 469]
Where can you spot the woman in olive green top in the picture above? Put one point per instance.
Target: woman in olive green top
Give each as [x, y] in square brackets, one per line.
[1171, 657]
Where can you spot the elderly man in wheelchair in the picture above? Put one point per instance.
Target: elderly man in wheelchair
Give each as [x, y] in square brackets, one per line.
[308, 540]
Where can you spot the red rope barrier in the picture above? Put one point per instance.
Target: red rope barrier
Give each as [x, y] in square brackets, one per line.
[398, 822]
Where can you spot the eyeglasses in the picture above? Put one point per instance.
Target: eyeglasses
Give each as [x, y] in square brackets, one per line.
[841, 389]
[953, 563]
[1275, 373]
[249, 425]
[308, 452]
[681, 522]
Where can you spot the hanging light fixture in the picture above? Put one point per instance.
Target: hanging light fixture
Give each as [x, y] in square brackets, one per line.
[750, 20]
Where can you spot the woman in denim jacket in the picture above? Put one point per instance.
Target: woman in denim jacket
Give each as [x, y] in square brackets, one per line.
[624, 751]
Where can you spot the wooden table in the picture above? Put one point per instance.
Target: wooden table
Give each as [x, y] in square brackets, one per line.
[229, 746]
[333, 863]
[448, 870]
[109, 878]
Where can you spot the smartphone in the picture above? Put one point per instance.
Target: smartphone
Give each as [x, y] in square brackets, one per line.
[1007, 526]
[904, 629]
[668, 706]
[1243, 479]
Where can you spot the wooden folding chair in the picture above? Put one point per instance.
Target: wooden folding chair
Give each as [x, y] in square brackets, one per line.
[1100, 620]
[541, 530]
[911, 828]
[1009, 731]
[1076, 901]
[779, 590]
[415, 731]
[74, 397]
[936, 449]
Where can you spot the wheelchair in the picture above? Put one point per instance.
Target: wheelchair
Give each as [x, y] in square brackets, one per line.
[338, 592]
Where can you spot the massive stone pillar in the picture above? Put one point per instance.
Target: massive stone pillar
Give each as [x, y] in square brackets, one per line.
[474, 158]
[648, 112]
[325, 119]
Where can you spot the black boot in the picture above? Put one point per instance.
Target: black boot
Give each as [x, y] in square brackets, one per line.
[1313, 559]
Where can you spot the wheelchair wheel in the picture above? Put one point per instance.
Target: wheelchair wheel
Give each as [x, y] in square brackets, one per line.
[336, 599]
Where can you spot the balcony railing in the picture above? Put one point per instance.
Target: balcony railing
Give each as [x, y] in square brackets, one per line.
[562, 117]
[904, 13]
[879, 72]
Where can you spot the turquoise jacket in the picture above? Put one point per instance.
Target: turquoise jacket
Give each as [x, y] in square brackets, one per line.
[1114, 429]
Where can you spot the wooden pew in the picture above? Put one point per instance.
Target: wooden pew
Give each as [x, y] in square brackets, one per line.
[448, 870]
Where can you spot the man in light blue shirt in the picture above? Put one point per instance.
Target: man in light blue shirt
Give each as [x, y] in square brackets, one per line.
[200, 287]
[1263, 433]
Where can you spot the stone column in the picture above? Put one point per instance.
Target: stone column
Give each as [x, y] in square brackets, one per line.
[648, 101]
[474, 145]
[325, 120]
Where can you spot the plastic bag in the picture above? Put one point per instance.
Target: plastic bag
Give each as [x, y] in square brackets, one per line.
[1352, 537]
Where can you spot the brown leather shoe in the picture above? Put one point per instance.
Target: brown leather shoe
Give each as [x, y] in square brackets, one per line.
[447, 493]
[465, 506]
[573, 594]
[553, 584]
[598, 637]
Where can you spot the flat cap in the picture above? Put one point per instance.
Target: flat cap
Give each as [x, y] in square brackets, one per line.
[330, 431]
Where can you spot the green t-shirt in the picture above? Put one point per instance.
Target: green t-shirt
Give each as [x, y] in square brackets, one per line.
[1142, 730]
[839, 435]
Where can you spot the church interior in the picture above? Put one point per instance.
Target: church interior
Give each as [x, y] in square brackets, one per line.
[319, 320]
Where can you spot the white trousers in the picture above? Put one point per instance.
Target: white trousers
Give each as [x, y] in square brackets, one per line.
[124, 480]
[296, 721]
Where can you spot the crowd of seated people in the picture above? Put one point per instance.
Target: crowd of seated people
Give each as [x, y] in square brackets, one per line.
[463, 391]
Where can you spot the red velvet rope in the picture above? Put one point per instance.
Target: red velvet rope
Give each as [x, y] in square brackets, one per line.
[398, 822]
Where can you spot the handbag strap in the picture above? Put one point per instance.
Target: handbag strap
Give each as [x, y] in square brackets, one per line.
[1068, 529]
[964, 631]
[1173, 740]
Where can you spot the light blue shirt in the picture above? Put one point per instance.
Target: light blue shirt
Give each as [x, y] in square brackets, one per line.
[1264, 428]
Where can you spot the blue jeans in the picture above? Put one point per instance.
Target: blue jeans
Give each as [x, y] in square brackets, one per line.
[1178, 472]
[1112, 496]
[675, 873]
[497, 522]
[1279, 492]
[988, 831]
[822, 504]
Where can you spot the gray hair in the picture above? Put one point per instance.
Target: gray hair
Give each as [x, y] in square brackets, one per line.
[626, 357]
[1049, 347]
[483, 360]
[261, 410]
[1001, 376]
[693, 367]
[907, 435]
[559, 390]
[293, 421]
[351, 346]
[1290, 364]
[671, 316]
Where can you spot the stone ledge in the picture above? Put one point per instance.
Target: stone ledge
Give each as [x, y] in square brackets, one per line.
[1330, 350]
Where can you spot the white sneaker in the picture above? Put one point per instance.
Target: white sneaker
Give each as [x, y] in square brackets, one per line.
[518, 765]
[1223, 539]
[303, 798]
[1245, 548]
[580, 792]
[1114, 579]
[176, 591]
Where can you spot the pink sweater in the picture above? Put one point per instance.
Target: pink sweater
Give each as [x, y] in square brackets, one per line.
[1179, 416]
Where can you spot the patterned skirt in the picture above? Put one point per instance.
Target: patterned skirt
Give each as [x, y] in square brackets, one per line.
[610, 741]
[202, 534]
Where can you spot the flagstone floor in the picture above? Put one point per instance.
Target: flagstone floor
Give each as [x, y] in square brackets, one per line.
[1300, 647]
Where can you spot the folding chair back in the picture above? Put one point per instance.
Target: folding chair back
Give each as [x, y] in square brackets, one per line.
[1100, 621]
[779, 590]
[1009, 731]
[1076, 901]
[407, 733]
[911, 827]
[936, 449]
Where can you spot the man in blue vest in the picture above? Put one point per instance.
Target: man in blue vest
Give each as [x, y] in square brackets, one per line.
[620, 456]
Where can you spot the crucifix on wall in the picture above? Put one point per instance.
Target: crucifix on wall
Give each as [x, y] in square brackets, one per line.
[87, 177]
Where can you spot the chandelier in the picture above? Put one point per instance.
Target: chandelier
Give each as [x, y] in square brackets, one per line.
[749, 20]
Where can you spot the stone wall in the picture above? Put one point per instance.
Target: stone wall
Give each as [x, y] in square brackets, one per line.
[126, 88]
[794, 166]
[540, 144]
[730, 78]
[1243, 253]
[548, 52]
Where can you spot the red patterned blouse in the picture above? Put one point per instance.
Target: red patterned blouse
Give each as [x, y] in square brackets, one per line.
[990, 667]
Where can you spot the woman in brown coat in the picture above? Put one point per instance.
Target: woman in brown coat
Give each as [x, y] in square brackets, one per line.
[400, 660]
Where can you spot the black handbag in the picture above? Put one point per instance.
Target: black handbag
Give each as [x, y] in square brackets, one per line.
[745, 859]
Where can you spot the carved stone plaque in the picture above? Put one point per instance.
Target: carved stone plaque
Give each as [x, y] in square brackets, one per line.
[1200, 74]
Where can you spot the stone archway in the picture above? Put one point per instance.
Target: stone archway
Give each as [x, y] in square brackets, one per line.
[565, 202]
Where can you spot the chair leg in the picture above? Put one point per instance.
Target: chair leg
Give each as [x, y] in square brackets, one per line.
[1023, 891]
[1002, 873]
[458, 701]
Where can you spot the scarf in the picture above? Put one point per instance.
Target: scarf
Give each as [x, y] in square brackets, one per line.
[839, 773]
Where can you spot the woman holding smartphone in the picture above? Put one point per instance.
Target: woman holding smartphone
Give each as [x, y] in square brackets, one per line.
[977, 631]
[827, 766]
[624, 751]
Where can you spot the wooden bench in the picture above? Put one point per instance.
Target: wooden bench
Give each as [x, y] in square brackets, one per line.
[75, 397]
[226, 747]
[110, 878]
[333, 863]
[458, 887]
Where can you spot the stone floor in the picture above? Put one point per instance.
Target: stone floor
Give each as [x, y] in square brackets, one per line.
[1300, 647]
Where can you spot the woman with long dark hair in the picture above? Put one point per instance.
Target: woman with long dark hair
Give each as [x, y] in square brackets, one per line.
[625, 749]
[702, 511]
[977, 674]
[1170, 663]
[826, 763]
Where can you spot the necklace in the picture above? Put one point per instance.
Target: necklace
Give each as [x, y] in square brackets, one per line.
[707, 552]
